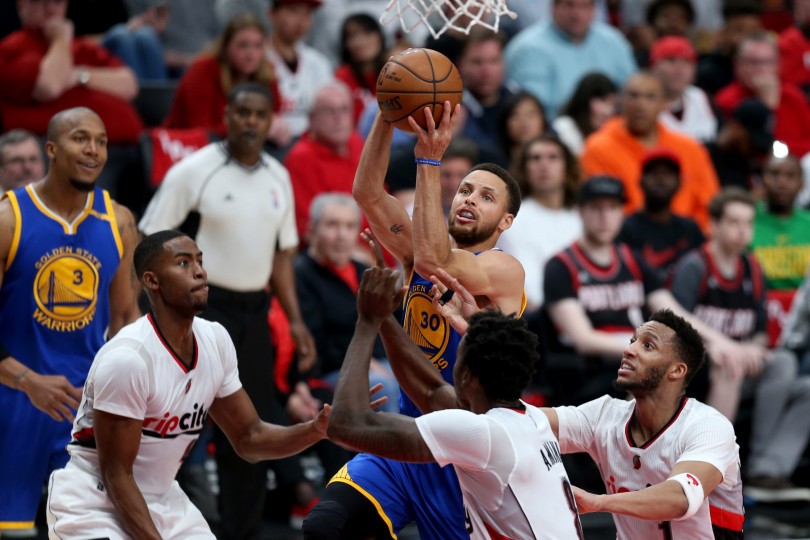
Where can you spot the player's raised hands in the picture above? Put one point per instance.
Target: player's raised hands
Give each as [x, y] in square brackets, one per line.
[433, 141]
[379, 294]
[452, 300]
[374, 248]
[52, 394]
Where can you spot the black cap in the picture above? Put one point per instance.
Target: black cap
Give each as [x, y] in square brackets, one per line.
[601, 187]
[758, 120]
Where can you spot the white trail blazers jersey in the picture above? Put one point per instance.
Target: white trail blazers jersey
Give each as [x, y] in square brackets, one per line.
[696, 432]
[510, 471]
[137, 375]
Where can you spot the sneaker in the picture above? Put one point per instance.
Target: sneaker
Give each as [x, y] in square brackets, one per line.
[769, 489]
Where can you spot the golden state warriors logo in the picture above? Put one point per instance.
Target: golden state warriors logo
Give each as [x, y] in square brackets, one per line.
[426, 328]
[66, 289]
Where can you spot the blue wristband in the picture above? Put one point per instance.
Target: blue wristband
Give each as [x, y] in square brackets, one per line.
[424, 161]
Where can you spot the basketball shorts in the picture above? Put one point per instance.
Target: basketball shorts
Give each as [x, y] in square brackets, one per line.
[406, 492]
[79, 508]
[32, 445]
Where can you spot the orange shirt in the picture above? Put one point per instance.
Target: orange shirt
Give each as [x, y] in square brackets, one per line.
[615, 151]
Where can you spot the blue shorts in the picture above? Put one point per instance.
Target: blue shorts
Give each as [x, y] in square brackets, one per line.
[32, 445]
[406, 492]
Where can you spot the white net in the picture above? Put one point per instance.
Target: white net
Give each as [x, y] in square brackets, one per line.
[442, 15]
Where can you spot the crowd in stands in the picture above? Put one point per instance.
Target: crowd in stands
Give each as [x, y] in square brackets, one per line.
[662, 148]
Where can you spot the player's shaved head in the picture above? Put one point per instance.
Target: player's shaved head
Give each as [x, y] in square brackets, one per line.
[68, 119]
[150, 248]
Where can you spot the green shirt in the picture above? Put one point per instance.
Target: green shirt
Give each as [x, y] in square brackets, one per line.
[782, 246]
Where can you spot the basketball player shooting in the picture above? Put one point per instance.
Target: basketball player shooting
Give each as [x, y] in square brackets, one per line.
[485, 204]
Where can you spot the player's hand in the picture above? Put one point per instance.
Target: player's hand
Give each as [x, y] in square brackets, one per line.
[586, 502]
[52, 394]
[321, 421]
[373, 247]
[380, 401]
[304, 346]
[452, 300]
[432, 142]
[379, 294]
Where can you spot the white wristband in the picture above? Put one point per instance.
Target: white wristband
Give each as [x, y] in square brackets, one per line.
[693, 490]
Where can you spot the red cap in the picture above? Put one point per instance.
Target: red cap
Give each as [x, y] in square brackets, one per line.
[660, 154]
[672, 47]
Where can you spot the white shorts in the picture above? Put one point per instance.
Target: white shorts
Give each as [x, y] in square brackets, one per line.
[79, 508]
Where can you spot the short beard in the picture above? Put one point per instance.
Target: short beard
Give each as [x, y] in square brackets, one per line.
[471, 237]
[646, 385]
[84, 187]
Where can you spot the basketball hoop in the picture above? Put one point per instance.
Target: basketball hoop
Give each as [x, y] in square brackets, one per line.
[433, 13]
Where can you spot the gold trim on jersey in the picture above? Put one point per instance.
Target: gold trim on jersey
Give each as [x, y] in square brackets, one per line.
[14, 525]
[343, 476]
[113, 223]
[15, 242]
[69, 228]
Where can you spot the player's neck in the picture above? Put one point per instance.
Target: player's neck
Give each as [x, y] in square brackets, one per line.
[652, 413]
[176, 330]
[60, 197]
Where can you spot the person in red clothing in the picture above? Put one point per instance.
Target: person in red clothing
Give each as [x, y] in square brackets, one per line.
[794, 48]
[47, 69]
[756, 69]
[325, 158]
[362, 56]
[619, 146]
[236, 57]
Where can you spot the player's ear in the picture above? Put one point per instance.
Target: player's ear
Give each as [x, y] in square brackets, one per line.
[150, 280]
[506, 222]
[678, 370]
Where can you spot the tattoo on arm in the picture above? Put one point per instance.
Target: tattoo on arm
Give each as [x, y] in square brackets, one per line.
[396, 229]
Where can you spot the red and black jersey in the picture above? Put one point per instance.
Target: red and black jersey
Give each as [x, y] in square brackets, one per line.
[734, 306]
[614, 297]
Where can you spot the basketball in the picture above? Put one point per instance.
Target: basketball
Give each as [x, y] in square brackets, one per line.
[413, 80]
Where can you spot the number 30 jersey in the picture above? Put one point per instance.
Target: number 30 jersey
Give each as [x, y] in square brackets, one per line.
[55, 301]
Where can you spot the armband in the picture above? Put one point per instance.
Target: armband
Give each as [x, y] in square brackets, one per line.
[693, 490]
[425, 161]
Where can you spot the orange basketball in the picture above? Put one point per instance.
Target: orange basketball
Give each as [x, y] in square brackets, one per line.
[413, 80]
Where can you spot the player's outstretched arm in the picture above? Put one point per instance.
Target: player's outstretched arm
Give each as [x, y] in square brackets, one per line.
[353, 424]
[255, 440]
[677, 497]
[118, 439]
[125, 287]
[388, 219]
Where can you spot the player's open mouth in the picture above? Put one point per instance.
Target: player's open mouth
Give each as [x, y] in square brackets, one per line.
[625, 367]
[88, 165]
[465, 216]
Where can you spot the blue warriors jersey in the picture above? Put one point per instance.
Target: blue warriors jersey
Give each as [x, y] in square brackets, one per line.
[54, 303]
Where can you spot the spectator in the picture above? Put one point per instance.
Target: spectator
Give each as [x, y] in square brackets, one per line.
[618, 149]
[756, 70]
[328, 280]
[593, 104]
[658, 235]
[665, 18]
[724, 287]
[548, 175]
[781, 230]
[485, 94]
[236, 57]
[595, 292]
[550, 58]
[232, 190]
[688, 111]
[796, 331]
[362, 56]
[325, 158]
[522, 119]
[53, 70]
[301, 70]
[21, 160]
[744, 143]
[708, 16]
[716, 69]
[794, 48]
[185, 36]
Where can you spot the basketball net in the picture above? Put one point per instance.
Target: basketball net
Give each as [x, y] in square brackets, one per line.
[465, 14]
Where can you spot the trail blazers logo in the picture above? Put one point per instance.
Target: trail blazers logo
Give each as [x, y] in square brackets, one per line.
[66, 289]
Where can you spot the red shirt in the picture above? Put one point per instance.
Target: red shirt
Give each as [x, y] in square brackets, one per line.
[315, 169]
[361, 95]
[792, 115]
[20, 56]
[794, 57]
[200, 101]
